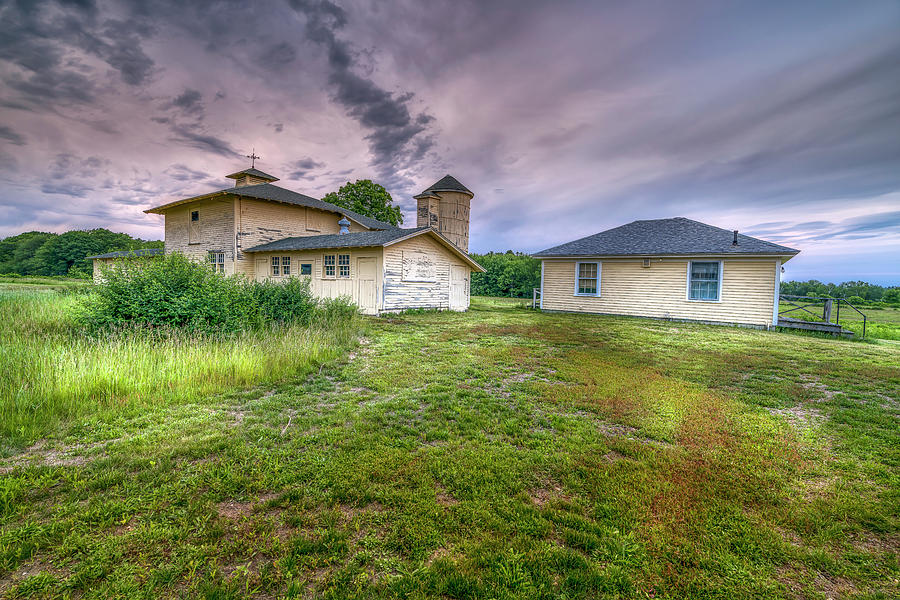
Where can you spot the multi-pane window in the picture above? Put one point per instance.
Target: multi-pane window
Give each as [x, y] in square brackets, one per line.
[305, 269]
[344, 265]
[286, 265]
[217, 260]
[587, 279]
[704, 279]
[329, 265]
[276, 266]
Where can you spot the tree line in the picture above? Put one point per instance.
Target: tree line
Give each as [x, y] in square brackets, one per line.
[53, 254]
[510, 274]
[859, 290]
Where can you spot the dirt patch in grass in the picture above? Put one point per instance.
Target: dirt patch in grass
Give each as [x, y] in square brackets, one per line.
[234, 510]
[875, 544]
[614, 456]
[547, 494]
[38, 564]
[799, 581]
[819, 390]
[800, 417]
[43, 454]
[443, 497]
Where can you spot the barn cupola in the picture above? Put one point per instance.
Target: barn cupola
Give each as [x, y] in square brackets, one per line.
[445, 207]
[251, 176]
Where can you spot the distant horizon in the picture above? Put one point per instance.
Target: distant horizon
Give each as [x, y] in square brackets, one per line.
[565, 118]
[876, 279]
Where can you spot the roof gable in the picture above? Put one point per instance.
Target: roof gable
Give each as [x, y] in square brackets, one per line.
[361, 239]
[678, 236]
[274, 193]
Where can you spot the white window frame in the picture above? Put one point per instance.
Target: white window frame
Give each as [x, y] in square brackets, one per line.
[325, 266]
[687, 294]
[285, 266]
[275, 266]
[341, 266]
[578, 271]
[217, 261]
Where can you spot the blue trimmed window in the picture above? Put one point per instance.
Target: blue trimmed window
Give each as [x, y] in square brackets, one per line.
[705, 278]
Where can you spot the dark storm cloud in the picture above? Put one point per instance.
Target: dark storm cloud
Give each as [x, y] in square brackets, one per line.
[397, 137]
[877, 225]
[36, 37]
[193, 132]
[192, 137]
[190, 102]
[7, 133]
[184, 173]
[277, 56]
[118, 43]
[76, 190]
[303, 167]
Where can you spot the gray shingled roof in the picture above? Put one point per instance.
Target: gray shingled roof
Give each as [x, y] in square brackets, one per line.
[131, 253]
[336, 240]
[448, 183]
[267, 191]
[252, 172]
[678, 236]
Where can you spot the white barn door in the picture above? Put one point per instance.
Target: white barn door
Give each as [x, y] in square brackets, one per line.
[262, 269]
[367, 290]
[459, 288]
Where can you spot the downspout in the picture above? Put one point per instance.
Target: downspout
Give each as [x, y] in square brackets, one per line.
[237, 230]
[542, 284]
[777, 293]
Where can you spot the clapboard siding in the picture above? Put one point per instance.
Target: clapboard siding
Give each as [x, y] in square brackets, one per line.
[321, 286]
[260, 222]
[216, 230]
[627, 288]
[401, 295]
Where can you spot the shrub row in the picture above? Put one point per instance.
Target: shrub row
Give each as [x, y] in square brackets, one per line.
[175, 291]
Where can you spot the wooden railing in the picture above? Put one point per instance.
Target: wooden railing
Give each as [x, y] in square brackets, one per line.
[536, 298]
[815, 309]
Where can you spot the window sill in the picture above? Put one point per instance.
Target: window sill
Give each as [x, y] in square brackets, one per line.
[705, 301]
[587, 295]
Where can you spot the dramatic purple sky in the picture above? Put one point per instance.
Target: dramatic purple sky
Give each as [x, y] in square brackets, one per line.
[781, 119]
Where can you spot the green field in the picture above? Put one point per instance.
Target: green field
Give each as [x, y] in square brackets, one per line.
[881, 323]
[501, 453]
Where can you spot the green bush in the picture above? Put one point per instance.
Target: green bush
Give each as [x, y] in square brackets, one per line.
[174, 291]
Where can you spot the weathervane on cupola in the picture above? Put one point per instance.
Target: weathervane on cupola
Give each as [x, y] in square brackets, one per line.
[251, 176]
[252, 156]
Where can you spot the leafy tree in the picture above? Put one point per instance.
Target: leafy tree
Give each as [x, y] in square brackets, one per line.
[891, 296]
[867, 291]
[39, 253]
[17, 253]
[508, 274]
[367, 198]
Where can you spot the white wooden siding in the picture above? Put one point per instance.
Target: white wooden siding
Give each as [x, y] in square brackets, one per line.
[746, 295]
[401, 295]
[321, 286]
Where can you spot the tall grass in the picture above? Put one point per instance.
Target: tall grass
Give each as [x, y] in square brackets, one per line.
[53, 370]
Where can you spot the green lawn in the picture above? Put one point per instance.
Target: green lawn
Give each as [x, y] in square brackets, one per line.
[501, 453]
[41, 284]
[881, 323]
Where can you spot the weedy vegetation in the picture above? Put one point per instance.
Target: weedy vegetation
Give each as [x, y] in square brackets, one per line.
[501, 453]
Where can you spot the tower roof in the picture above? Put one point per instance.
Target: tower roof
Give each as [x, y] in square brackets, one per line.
[253, 172]
[448, 183]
